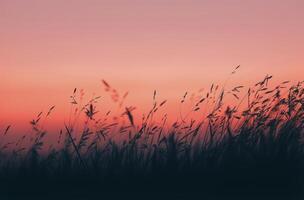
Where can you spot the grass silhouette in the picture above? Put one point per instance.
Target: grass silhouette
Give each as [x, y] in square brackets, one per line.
[256, 149]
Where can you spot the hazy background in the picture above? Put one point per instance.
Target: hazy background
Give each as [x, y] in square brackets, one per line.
[49, 47]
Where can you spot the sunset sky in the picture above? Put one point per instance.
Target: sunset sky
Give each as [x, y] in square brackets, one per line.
[49, 47]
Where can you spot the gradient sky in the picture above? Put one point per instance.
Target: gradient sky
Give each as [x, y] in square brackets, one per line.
[49, 47]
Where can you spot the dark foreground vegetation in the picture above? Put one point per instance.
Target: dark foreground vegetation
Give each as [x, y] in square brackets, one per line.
[253, 149]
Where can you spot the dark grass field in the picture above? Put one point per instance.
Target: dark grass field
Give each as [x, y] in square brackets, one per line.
[253, 151]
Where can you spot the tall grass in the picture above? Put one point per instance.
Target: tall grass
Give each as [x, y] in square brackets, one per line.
[255, 146]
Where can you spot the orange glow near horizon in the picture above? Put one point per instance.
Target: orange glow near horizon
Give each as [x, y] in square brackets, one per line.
[48, 48]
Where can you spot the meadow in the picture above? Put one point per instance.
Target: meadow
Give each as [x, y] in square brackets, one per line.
[253, 148]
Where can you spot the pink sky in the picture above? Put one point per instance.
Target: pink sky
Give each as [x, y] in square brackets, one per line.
[50, 47]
